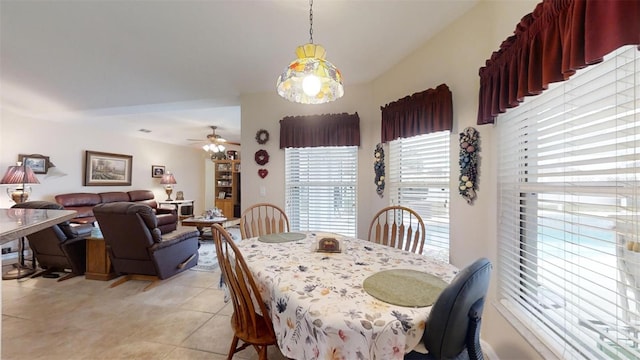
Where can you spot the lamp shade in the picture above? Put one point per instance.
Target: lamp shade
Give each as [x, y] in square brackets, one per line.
[310, 79]
[19, 174]
[168, 179]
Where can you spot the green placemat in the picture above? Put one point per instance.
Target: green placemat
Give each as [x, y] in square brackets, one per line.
[404, 287]
[282, 237]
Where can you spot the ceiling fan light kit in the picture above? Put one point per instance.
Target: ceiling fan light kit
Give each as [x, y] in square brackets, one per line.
[216, 142]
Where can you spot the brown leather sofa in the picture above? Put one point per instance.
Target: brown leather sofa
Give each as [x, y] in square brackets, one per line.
[137, 248]
[83, 203]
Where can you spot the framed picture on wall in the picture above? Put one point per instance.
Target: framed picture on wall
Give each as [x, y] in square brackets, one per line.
[106, 169]
[157, 171]
[38, 163]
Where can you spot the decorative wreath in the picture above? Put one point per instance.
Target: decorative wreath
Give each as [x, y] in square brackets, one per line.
[262, 136]
[468, 163]
[378, 167]
[262, 157]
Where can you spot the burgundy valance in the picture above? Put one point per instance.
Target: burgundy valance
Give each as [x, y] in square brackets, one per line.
[421, 113]
[320, 130]
[550, 44]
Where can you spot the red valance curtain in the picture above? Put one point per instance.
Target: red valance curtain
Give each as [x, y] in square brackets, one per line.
[550, 44]
[421, 113]
[320, 130]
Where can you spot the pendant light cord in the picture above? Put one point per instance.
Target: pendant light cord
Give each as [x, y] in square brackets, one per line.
[311, 21]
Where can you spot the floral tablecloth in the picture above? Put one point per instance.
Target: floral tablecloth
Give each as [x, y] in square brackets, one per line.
[318, 306]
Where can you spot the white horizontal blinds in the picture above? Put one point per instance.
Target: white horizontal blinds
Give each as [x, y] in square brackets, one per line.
[321, 188]
[569, 186]
[418, 178]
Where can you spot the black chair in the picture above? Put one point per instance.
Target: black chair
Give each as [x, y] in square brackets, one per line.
[452, 330]
[57, 248]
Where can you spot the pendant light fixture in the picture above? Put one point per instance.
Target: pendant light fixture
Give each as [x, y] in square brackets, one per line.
[310, 79]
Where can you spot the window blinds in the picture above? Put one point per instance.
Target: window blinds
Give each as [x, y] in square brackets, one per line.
[569, 186]
[321, 189]
[418, 178]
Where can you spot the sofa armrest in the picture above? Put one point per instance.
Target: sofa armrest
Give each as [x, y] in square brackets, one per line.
[175, 237]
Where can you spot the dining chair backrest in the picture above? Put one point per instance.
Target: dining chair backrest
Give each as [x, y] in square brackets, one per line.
[453, 325]
[250, 320]
[263, 219]
[398, 227]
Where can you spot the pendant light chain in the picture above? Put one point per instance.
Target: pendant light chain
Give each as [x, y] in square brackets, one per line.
[311, 21]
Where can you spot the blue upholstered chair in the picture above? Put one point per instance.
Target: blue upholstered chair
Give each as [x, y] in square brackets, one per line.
[453, 326]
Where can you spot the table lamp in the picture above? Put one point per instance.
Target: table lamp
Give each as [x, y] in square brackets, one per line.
[19, 174]
[167, 180]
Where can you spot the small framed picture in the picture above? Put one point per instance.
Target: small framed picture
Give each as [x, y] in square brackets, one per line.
[38, 163]
[157, 171]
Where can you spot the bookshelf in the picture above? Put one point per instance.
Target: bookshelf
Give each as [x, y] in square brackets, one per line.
[227, 185]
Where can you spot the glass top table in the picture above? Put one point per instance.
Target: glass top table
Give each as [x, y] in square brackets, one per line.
[16, 223]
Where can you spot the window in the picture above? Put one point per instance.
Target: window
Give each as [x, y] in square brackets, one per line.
[569, 195]
[321, 189]
[418, 178]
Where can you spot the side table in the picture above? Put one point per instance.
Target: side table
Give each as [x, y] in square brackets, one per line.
[98, 262]
[178, 204]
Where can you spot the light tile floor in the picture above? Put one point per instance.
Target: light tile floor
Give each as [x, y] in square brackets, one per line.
[185, 317]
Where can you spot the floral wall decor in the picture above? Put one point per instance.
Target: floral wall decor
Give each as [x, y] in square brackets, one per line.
[378, 168]
[262, 136]
[468, 163]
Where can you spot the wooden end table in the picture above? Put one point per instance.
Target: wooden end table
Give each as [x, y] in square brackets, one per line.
[98, 262]
[201, 223]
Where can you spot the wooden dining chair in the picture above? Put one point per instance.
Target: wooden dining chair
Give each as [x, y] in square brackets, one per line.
[250, 321]
[262, 219]
[398, 227]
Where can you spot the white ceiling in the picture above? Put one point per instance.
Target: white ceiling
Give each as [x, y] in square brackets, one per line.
[177, 67]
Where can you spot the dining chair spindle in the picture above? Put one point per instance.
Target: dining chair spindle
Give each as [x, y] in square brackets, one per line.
[398, 227]
[263, 219]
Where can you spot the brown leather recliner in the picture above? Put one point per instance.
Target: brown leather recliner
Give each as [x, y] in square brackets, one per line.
[136, 246]
[167, 218]
[59, 247]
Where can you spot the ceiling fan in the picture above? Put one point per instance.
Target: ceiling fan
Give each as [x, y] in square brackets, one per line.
[214, 142]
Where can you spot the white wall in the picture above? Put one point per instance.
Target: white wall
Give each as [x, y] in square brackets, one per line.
[66, 145]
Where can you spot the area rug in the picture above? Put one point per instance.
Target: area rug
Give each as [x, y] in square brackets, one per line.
[208, 260]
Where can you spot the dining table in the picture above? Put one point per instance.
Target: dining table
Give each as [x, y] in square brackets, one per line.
[326, 304]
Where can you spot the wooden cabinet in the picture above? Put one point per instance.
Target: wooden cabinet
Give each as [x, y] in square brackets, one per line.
[227, 185]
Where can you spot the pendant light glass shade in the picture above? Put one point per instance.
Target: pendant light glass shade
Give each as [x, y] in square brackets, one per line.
[310, 79]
